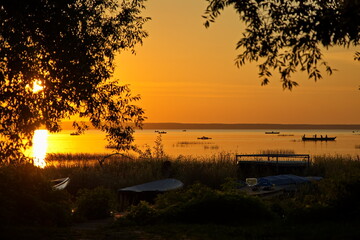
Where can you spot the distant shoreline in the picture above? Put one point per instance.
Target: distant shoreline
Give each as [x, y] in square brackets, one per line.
[248, 126]
[184, 126]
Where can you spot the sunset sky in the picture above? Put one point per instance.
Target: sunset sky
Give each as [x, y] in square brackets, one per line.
[186, 73]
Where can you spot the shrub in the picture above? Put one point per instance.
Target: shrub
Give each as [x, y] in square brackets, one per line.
[96, 203]
[27, 198]
[200, 204]
[141, 214]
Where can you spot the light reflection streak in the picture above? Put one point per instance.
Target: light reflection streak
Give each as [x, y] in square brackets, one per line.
[40, 147]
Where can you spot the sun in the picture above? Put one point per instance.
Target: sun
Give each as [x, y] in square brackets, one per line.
[37, 86]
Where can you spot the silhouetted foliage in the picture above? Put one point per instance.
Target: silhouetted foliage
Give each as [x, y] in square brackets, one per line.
[27, 198]
[95, 204]
[68, 48]
[201, 204]
[287, 35]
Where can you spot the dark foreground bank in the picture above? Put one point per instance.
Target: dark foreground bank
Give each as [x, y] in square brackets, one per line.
[208, 207]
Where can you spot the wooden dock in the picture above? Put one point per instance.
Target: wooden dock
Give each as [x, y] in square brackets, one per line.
[251, 165]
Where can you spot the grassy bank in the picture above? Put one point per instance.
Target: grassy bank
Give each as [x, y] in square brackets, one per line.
[26, 199]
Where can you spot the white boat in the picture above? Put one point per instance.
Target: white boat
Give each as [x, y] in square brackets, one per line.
[155, 186]
[61, 183]
[146, 191]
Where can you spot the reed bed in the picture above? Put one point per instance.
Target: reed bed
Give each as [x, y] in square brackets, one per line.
[277, 151]
[120, 171]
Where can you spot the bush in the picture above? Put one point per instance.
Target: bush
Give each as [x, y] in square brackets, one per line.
[96, 203]
[27, 198]
[200, 204]
[142, 214]
[331, 199]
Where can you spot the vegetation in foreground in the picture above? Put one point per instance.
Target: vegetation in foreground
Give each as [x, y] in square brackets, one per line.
[208, 207]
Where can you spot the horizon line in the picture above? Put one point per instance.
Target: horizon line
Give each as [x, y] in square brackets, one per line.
[178, 125]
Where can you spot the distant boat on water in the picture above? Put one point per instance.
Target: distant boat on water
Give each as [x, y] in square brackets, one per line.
[74, 134]
[316, 138]
[272, 132]
[204, 138]
[160, 132]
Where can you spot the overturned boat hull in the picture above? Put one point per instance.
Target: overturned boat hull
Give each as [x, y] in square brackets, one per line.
[146, 192]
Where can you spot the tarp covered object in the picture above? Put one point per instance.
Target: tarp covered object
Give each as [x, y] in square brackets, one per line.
[286, 179]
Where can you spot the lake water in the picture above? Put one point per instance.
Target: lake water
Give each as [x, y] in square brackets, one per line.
[179, 142]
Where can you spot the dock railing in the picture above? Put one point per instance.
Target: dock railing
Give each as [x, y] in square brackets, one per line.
[250, 165]
[277, 158]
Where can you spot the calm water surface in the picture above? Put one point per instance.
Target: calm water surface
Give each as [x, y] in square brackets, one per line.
[179, 142]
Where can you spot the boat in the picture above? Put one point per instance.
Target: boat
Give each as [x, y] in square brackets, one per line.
[61, 183]
[272, 132]
[316, 138]
[160, 132]
[203, 138]
[163, 185]
[276, 184]
[74, 133]
[146, 192]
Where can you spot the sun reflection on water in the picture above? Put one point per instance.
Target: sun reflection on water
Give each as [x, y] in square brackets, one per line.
[40, 147]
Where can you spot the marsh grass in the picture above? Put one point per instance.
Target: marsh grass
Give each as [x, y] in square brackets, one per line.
[277, 151]
[191, 143]
[120, 171]
[334, 198]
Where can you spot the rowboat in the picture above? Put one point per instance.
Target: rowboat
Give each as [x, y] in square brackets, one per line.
[163, 185]
[61, 183]
[203, 138]
[146, 191]
[272, 132]
[321, 138]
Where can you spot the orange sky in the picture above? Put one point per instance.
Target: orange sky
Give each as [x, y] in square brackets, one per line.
[186, 73]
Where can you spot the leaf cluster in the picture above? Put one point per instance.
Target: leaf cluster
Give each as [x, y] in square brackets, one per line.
[286, 36]
[201, 204]
[68, 48]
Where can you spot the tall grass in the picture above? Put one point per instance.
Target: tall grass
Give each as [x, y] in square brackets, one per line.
[277, 151]
[121, 171]
[338, 191]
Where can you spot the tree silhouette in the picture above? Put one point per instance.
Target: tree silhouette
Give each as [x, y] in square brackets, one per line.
[56, 61]
[286, 35]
